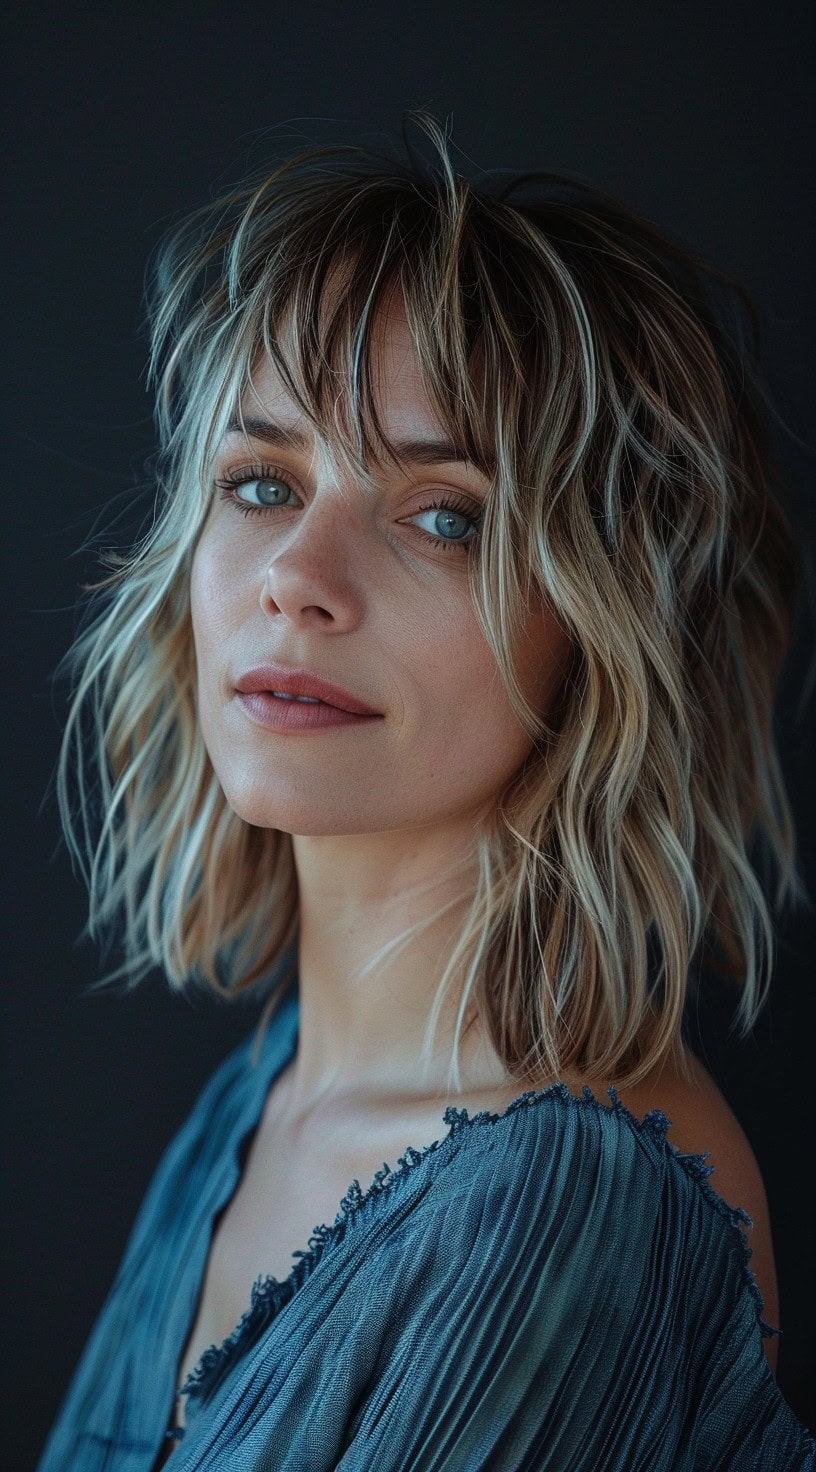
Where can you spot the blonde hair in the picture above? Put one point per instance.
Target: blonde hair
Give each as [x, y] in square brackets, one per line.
[577, 356]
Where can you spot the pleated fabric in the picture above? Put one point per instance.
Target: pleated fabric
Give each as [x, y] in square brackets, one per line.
[555, 1287]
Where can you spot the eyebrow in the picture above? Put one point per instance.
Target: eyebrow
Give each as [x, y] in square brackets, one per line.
[428, 451]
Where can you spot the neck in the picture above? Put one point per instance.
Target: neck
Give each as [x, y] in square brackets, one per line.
[361, 1035]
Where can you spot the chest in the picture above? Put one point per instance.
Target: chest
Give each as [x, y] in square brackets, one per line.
[273, 1213]
[288, 1186]
[293, 1180]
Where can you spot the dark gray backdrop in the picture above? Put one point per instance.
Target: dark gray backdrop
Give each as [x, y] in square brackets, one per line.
[697, 115]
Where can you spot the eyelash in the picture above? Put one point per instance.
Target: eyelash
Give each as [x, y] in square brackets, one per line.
[231, 481]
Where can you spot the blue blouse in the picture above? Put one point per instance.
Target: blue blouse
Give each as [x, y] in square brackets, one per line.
[552, 1289]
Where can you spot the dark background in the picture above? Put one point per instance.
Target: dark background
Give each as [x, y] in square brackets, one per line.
[700, 117]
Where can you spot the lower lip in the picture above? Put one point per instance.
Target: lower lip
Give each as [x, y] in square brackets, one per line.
[296, 715]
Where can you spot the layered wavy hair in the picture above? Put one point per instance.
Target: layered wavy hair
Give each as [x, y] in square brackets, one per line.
[584, 363]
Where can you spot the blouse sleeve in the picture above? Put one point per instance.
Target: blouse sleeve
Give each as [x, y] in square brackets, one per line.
[602, 1315]
[556, 1289]
[744, 1420]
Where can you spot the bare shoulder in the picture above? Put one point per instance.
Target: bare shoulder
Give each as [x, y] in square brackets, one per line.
[702, 1120]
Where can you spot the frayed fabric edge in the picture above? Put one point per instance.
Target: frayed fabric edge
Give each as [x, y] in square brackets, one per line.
[694, 1164]
[270, 1294]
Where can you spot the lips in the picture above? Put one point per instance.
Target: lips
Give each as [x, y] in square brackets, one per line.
[298, 699]
[269, 679]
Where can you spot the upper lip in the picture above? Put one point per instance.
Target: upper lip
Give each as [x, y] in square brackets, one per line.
[301, 682]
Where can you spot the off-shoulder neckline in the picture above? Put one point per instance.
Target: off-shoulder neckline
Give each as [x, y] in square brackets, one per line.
[270, 1294]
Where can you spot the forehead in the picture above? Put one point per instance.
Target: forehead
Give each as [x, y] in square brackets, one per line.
[401, 398]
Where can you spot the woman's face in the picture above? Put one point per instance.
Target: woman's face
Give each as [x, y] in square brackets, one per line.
[350, 586]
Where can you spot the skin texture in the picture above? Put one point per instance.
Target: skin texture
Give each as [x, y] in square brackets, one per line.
[350, 586]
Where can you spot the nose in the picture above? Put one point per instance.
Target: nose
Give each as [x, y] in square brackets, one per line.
[314, 575]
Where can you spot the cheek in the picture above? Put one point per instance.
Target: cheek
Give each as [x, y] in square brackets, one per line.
[201, 616]
[491, 742]
[447, 665]
[474, 714]
[543, 657]
[213, 615]
[197, 580]
[215, 592]
[202, 619]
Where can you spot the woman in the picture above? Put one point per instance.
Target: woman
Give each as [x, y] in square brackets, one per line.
[435, 707]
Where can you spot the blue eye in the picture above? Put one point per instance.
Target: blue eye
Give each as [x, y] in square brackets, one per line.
[250, 477]
[456, 508]
[447, 510]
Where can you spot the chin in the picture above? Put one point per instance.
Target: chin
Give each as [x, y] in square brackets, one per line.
[260, 811]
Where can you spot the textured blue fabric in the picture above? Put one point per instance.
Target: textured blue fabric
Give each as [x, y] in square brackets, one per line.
[555, 1287]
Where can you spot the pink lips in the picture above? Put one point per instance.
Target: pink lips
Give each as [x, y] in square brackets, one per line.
[269, 677]
[295, 715]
